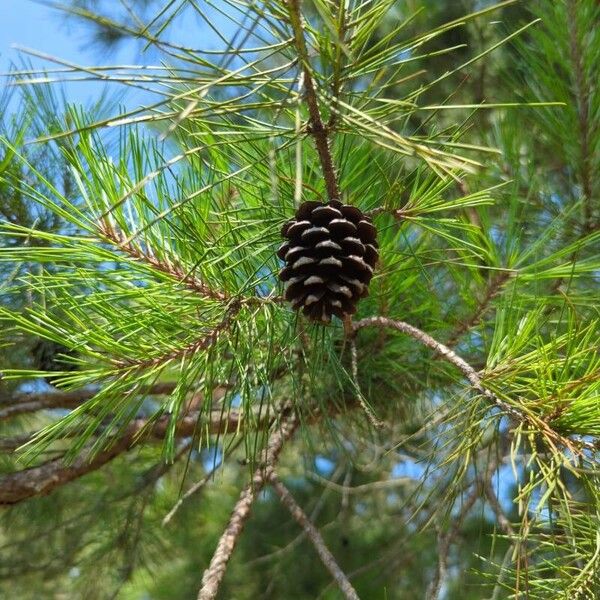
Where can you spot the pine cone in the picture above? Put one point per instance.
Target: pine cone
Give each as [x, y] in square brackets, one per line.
[330, 257]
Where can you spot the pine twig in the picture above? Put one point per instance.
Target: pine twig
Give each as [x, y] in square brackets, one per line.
[337, 83]
[582, 92]
[359, 396]
[315, 537]
[211, 580]
[575, 446]
[22, 403]
[173, 269]
[317, 129]
[347, 490]
[446, 353]
[496, 507]
[194, 489]
[202, 343]
[493, 288]
[445, 542]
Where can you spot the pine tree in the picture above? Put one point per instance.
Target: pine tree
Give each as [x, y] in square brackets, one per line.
[198, 436]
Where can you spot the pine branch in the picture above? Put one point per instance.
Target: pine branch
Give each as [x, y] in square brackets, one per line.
[25, 403]
[475, 380]
[359, 395]
[43, 479]
[446, 353]
[317, 129]
[582, 93]
[312, 533]
[496, 507]
[189, 493]
[173, 269]
[337, 84]
[202, 343]
[211, 580]
[444, 544]
[385, 484]
[493, 288]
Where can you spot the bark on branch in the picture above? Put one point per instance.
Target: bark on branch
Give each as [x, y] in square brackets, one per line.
[317, 129]
[43, 479]
[22, 403]
[315, 537]
[552, 436]
[446, 353]
[215, 572]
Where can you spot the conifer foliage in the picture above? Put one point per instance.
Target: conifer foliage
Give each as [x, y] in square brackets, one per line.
[400, 401]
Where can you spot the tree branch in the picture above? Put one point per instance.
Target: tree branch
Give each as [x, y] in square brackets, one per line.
[359, 395]
[206, 341]
[317, 129]
[445, 352]
[496, 507]
[43, 479]
[494, 287]
[174, 270]
[21, 403]
[195, 488]
[215, 572]
[315, 537]
[384, 484]
[445, 542]
[582, 98]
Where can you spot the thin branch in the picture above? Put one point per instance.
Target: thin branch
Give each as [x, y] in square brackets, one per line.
[470, 211]
[582, 97]
[359, 395]
[211, 580]
[194, 489]
[475, 380]
[206, 341]
[173, 269]
[281, 551]
[43, 479]
[445, 352]
[22, 403]
[336, 84]
[496, 507]
[445, 541]
[315, 537]
[398, 213]
[494, 287]
[316, 128]
[74, 399]
[384, 484]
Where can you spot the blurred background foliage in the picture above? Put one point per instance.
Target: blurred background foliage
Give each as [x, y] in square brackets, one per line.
[499, 260]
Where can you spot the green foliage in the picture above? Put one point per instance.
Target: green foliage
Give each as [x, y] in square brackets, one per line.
[144, 240]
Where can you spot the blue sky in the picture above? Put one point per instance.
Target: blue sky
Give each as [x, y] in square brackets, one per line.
[33, 25]
[29, 24]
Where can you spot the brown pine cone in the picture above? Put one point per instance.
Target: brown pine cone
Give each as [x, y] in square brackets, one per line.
[330, 256]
